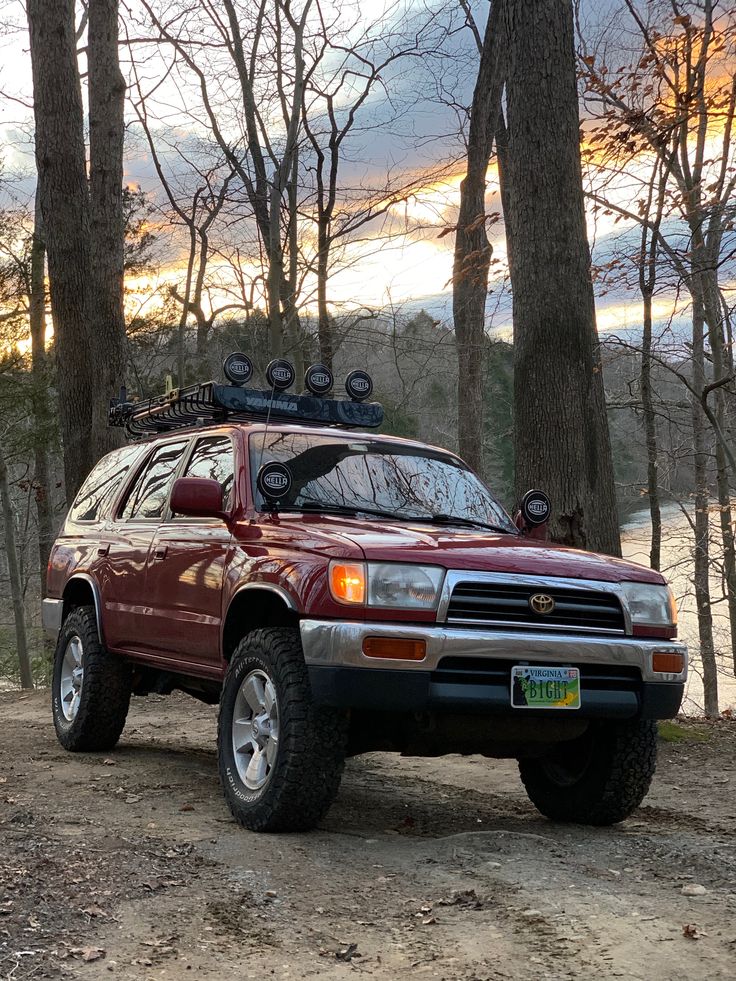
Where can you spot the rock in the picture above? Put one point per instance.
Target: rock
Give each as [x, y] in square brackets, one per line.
[693, 889]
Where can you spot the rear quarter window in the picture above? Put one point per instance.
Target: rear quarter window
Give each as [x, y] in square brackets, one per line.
[99, 489]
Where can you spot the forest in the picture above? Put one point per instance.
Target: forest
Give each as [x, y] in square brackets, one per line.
[530, 246]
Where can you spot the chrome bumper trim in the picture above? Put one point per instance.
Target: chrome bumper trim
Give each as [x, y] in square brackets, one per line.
[340, 644]
[52, 612]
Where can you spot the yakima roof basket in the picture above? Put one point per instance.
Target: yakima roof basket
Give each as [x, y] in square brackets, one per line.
[210, 402]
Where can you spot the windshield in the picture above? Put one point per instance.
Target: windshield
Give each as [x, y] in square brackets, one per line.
[373, 476]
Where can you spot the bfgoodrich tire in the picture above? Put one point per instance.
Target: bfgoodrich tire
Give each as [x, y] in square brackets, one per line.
[280, 756]
[90, 691]
[599, 779]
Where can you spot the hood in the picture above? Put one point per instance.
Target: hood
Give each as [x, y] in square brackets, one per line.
[461, 548]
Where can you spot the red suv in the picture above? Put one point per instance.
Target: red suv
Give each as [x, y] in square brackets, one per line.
[339, 592]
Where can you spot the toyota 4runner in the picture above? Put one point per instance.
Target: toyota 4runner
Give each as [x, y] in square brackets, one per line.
[340, 592]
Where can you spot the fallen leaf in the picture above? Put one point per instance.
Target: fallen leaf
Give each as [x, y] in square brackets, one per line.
[347, 953]
[94, 910]
[187, 807]
[88, 953]
[690, 931]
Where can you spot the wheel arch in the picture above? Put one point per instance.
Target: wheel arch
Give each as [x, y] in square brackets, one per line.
[82, 590]
[256, 605]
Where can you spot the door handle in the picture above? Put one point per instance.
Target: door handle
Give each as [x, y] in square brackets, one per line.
[103, 550]
[160, 551]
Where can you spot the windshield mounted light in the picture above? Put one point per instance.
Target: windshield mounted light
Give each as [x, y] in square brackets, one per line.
[650, 605]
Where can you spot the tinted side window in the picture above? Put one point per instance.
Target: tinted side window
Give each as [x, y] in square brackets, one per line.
[148, 495]
[213, 458]
[103, 483]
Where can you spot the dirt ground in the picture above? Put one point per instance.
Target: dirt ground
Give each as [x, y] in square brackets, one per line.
[130, 866]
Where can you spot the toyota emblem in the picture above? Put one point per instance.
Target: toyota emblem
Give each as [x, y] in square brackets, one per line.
[542, 603]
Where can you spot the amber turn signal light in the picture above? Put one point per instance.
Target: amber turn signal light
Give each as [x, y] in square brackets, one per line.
[395, 648]
[668, 662]
[347, 582]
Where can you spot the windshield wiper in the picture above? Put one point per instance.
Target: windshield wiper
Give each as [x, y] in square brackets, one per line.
[348, 509]
[456, 519]
[355, 510]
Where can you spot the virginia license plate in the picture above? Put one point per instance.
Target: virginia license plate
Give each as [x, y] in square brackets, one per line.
[545, 688]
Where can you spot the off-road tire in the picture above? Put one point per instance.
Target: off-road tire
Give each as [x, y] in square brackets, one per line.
[305, 776]
[598, 779]
[105, 692]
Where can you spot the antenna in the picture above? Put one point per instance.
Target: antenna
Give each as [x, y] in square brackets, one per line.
[280, 375]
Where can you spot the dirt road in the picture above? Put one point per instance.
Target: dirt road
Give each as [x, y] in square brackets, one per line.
[130, 866]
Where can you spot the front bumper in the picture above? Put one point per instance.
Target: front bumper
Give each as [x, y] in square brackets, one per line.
[469, 669]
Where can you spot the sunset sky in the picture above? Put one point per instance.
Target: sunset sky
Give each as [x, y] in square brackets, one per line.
[400, 260]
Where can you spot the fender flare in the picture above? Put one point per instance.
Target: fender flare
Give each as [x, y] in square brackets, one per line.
[85, 577]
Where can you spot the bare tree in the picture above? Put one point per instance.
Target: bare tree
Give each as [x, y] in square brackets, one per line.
[106, 134]
[472, 249]
[16, 581]
[561, 429]
[64, 198]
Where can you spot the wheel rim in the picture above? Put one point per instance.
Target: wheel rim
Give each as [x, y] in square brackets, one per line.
[255, 730]
[569, 763]
[72, 676]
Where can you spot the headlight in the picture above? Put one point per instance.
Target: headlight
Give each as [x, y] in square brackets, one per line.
[386, 584]
[413, 587]
[651, 605]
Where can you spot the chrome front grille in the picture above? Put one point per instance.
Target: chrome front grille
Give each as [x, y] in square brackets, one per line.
[482, 603]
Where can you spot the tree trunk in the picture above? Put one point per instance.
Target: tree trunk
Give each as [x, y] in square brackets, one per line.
[650, 434]
[472, 249]
[40, 397]
[275, 280]
[561, 441]
[324, 321]
[701, 575]
[16, 584]
[107, 223]
[62, 177]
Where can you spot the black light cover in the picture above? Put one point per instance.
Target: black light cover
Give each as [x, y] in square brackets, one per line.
[238, 368]
[274, 481]
[318, 379]
[280, 374]
[359, 385]
[536, 507]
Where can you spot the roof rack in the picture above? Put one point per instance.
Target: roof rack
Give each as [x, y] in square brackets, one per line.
[211, 403]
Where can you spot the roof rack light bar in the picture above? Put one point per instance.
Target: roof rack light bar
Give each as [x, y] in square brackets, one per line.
[212, 403]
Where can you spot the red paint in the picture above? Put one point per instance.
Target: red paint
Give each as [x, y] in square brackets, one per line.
[197, 497]
[166, 585]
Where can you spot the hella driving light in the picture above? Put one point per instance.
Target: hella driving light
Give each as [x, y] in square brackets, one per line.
[651, 605]
[409, 587]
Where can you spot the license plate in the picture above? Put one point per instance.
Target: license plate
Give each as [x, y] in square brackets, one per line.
[545, 688]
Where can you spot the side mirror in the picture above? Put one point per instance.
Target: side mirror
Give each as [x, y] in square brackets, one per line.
[533, 516]
[197, 497]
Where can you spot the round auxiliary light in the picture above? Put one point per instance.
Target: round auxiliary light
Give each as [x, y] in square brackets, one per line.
[318, 379]
[238, 368]
[274, 481]
[280, 374]
[359, 385]
[536, 507]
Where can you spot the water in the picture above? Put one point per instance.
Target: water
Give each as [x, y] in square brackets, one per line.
[677, 566]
